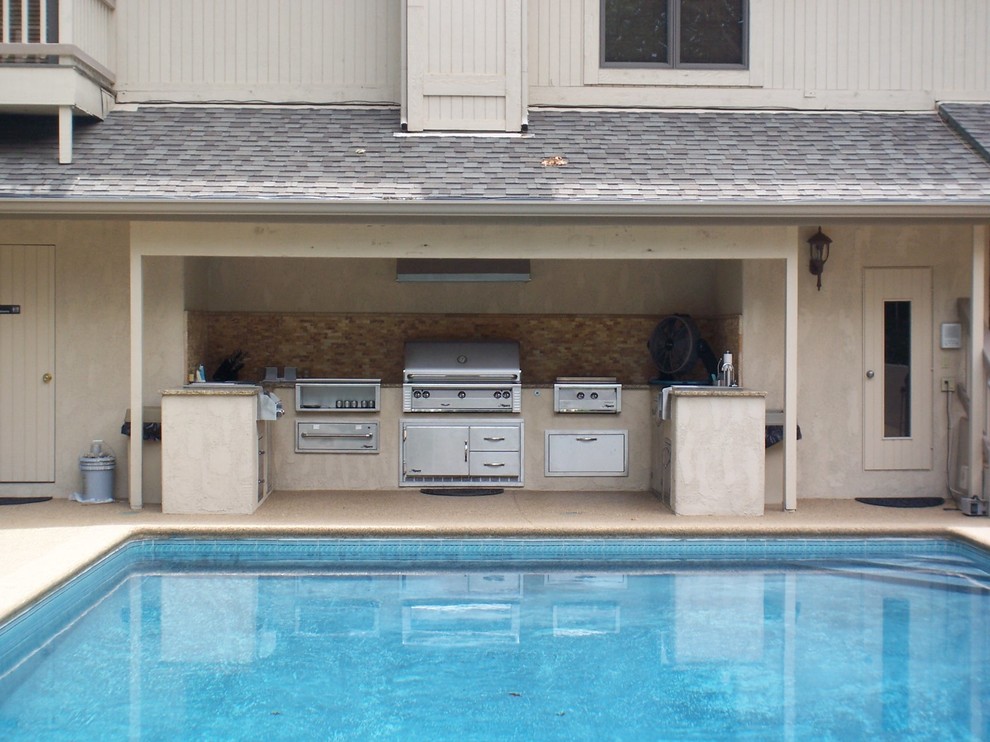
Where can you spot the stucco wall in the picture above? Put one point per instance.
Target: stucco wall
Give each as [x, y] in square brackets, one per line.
[91, 343]
[92, 321]
[830, 352]
[556, 287]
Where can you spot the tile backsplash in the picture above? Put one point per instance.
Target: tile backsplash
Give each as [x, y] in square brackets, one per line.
[371, 345]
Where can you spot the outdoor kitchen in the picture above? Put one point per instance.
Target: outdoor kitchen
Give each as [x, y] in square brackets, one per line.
[463, 404]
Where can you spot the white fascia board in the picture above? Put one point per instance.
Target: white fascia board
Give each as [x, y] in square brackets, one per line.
[959, 211]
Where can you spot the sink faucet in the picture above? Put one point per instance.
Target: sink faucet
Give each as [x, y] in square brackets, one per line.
[726, 374]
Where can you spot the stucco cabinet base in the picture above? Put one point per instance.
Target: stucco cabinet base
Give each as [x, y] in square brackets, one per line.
[210, 451]
[717, 451]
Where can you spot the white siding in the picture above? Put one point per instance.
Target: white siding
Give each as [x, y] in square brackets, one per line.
[881, 54]
[89, 25]
[317, 51]
[804, 53]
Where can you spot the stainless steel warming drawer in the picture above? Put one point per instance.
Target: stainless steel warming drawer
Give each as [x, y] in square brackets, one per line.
[587, 453]
[336, 437]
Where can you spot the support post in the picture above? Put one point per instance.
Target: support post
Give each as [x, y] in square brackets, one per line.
[65, 135]
[977, 370]
[135, 461]
[790, 378]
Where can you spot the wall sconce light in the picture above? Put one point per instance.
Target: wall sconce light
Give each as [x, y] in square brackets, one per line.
[819, 244]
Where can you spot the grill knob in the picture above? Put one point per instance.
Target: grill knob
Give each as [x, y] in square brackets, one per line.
[417, 394]
[426, 395]
[461, 395]
[580, 395]
[594, 395]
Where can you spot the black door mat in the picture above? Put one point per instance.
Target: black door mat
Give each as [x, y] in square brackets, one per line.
[903, 502]
[22, 500]
[462, 491]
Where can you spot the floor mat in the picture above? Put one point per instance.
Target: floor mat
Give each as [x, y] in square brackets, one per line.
[22, 500]
[903, 502]
[462, 491]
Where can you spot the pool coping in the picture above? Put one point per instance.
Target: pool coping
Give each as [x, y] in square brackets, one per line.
[90, 547]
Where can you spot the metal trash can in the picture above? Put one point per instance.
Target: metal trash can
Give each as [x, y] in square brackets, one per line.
[97, 467]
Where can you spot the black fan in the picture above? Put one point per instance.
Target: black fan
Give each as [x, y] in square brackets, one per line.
[674, 345]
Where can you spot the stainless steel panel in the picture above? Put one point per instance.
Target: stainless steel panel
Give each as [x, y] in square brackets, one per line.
[336, 437]
[495, 438]
[435, 450]
[586, 453]
[461, 398]
[338, 395]
[587, 398]
[447, 361]
[495, 464]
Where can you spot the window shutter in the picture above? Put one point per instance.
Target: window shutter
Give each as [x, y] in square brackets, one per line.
[465, 65]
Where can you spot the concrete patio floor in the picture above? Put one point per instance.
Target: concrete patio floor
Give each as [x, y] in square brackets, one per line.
[43, 544]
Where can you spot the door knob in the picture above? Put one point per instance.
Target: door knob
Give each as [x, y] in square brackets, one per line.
[46, 378]
[870, 374]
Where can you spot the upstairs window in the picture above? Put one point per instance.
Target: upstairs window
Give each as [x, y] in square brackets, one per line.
[673, 33]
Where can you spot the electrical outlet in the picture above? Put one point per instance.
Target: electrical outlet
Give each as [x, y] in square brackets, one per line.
[948, 384]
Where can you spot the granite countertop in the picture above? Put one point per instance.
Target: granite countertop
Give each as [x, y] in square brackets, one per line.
[205, 389]
[714, 391]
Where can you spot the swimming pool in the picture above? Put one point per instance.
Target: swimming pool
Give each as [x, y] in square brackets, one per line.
[507, 639]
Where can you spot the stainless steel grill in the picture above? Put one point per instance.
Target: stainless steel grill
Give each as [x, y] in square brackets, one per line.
[453, 376]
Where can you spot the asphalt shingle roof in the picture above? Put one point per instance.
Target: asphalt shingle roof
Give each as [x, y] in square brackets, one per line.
[189, 154]
[972, 121]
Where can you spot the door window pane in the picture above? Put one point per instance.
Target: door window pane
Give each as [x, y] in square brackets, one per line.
[897, 369]
[711, 32]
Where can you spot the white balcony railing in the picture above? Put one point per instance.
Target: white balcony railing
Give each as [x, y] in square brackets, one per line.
[78, 32]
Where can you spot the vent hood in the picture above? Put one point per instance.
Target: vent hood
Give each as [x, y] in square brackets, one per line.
[460, 270]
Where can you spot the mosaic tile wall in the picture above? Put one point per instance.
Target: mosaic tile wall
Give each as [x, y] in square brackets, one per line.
[371, 345]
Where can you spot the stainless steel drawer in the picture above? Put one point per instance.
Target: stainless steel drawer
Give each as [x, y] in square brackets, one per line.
[355, 437]
[495, 438]
[495, 464]
[592, 453]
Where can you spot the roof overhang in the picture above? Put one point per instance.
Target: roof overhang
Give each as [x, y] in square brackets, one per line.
[975, 213]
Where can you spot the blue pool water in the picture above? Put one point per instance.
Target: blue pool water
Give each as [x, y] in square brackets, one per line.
[171, 639]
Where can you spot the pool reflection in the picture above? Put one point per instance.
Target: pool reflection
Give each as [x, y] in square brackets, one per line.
[758, 649]
[689, 652]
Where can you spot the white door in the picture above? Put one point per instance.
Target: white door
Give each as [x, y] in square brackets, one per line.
[27, 363]
[897, 371]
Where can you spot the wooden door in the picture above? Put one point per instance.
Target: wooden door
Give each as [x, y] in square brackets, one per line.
[897, 368]
[27, 363]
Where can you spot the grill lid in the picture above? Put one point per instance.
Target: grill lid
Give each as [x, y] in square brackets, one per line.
[457, 361]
